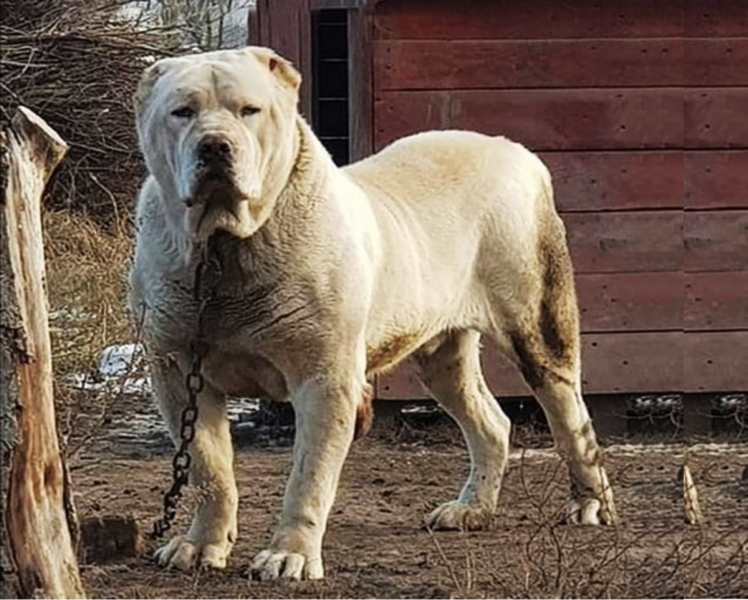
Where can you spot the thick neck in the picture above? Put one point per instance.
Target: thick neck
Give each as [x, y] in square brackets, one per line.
[306, 179]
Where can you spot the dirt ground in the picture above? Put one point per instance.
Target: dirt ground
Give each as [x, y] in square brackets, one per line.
[376, 546]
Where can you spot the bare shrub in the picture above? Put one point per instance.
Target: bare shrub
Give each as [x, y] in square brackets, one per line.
[77, 64]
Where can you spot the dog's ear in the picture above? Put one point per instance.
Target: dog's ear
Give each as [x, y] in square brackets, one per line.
[150, 76]
[283, 70]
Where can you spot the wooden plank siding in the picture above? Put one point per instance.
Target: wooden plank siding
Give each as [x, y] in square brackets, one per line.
[715, 312]
[663, 301]
[547, 63]
[630, 180]
[611, 302]
[625, 242]
[716, 62]
[658, 236]
[575, 119]
[716, 197]
[360, 86]
[716, 240]
[715, 19]
[652, 241]
[564, 119]
[497, 64]
[716, 179]
[715, 301]
[715, 361]
[539, 19]
[716, 117]
[617, 180]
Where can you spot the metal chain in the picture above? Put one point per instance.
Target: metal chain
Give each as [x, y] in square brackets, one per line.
[208, 268]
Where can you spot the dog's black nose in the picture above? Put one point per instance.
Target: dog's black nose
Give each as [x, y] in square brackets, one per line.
[214, 149]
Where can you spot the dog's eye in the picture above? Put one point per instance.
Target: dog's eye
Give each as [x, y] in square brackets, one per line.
[248, 111]
[183, 112]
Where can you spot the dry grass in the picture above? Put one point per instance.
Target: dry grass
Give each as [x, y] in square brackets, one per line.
[86, 286]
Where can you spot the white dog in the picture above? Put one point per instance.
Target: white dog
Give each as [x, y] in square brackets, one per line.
[330, 276]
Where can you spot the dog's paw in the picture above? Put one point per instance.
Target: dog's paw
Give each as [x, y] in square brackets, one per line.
[458, 515]
[181, 553]
[591, 499]
[276, 564]
[590, 511]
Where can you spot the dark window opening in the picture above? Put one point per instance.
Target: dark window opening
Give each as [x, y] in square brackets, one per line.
[330, 81]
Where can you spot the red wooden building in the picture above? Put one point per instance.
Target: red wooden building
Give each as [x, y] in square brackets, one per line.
[640, 109]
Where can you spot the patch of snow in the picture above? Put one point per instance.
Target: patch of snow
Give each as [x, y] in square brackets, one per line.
[121, 359]
[121, 370]
[242, 410]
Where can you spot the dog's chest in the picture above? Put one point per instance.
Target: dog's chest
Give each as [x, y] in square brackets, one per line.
[233, 310]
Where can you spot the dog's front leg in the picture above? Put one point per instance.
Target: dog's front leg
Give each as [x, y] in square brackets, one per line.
[325, 422]
[212, 534]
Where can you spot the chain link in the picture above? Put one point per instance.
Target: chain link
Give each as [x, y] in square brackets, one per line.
[207, 274]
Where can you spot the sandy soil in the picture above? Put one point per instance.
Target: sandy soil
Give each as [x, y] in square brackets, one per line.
[376, 545]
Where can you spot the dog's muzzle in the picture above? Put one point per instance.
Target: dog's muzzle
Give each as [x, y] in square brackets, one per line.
[214, 153]
[214, 176]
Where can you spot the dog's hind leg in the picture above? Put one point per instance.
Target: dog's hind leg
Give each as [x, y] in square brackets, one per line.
[542, 338]
[212, 534]
[452, 372]
[559, 393]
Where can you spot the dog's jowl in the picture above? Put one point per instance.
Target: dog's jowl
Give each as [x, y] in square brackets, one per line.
[328, 276]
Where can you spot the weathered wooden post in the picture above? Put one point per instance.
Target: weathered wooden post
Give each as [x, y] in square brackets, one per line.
[37, 540]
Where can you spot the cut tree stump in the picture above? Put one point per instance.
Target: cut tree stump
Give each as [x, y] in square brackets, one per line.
[39, 533]
[106, 538]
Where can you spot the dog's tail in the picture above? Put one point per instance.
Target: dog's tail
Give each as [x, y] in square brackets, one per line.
[559, 312]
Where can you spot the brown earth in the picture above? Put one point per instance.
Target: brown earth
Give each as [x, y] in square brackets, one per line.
[377, 547]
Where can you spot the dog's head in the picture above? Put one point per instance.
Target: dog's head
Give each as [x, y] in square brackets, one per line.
[218, 132]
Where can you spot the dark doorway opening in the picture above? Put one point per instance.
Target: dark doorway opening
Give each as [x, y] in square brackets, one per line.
[330, 82]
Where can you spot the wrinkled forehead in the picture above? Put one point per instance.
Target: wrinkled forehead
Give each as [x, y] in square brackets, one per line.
[220, 77]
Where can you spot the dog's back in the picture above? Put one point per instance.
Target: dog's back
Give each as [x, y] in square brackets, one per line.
[467, 222]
